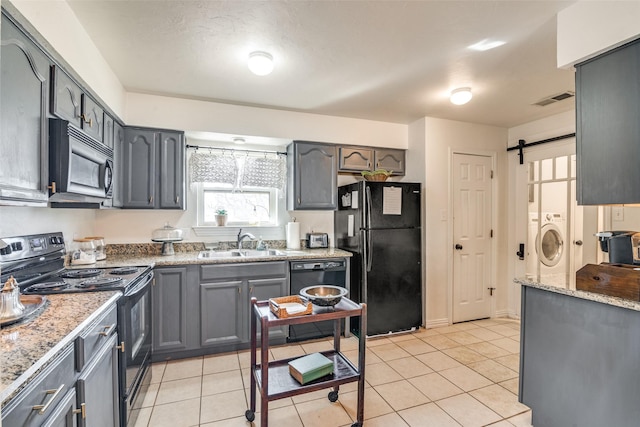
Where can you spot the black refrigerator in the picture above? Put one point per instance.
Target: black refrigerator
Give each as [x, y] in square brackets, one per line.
[379, 223]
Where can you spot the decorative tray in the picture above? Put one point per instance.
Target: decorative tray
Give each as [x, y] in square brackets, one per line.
[32, 303]
[290, 306]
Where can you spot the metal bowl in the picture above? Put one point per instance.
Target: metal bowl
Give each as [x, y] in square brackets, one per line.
[324, 295]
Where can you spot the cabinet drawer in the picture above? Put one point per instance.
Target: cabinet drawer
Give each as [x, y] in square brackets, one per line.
[244, 270]
[90, 340]
[45, 393]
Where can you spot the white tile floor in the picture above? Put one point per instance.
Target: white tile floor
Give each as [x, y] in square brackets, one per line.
[460, 375]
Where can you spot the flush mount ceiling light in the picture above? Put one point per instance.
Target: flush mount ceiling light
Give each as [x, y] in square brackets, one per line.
[238, 140]
[260, 63]
[460, 96]
[486, 44]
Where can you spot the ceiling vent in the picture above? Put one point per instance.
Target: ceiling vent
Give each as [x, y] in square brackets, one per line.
[555, 98]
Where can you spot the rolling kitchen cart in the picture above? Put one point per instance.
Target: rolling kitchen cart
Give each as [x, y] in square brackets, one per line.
[273, 380]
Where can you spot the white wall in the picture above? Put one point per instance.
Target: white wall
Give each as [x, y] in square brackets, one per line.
[441, 138]
[588, 28]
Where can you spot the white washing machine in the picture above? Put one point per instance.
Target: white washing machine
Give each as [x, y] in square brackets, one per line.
[548, 247]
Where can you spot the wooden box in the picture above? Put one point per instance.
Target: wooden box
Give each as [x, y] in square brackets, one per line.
[616, 280]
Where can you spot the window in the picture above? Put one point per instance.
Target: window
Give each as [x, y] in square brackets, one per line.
[249, 206]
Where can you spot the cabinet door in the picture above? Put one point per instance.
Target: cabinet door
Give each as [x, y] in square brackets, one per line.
[66, 101]
[172, 176]
[391, 160]
[263, 289]
[64, 413]
[108, 131]
[355, 159]
[118, 163]
[170, 309]
[97, 388]
[608, 128]
[315, 176]
[222, 313]
[139, 174]
[92, 118]
[24, 77]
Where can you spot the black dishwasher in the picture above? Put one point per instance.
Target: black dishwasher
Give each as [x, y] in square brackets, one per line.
[309, 273]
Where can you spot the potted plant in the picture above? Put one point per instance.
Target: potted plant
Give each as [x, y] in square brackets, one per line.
[376, 175]
[221, 217]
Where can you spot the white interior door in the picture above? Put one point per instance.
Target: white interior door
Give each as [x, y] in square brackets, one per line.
[472, 258]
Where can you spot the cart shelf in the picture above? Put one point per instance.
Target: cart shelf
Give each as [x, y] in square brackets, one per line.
[273, 380]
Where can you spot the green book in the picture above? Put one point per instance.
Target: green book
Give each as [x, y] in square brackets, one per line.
[310, 367]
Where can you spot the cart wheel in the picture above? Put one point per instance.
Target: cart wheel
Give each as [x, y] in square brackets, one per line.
[250, 415]
[333, 396]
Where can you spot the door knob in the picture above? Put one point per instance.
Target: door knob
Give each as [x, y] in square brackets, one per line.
[458, 247]
[578, 242]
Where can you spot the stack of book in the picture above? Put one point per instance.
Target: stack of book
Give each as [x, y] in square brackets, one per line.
[310, 367]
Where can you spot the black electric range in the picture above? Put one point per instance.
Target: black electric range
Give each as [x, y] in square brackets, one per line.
[37, 263]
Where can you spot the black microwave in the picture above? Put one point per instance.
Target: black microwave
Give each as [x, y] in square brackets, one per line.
[80, 167]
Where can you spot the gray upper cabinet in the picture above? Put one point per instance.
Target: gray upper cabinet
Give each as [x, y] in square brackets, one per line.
[608, 127]
[153, 174]
[354, 159]
[391, 160]
[312, 170]
[66, 101]
[24, 78]
[118, 165]
[70, 102]
[108, 131]
[92, 118]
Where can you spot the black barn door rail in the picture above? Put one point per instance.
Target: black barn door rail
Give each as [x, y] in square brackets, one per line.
[522, 144]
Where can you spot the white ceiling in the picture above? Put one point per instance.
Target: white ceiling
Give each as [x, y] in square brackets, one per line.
[393, 61]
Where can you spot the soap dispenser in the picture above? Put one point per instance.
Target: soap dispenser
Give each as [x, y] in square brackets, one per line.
[261, 246]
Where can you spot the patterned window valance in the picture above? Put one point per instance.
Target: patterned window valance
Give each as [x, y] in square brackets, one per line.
[213, 167]
[264, 170]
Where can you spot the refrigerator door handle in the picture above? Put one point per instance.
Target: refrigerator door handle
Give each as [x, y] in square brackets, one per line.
[367, 197]
[369, 251]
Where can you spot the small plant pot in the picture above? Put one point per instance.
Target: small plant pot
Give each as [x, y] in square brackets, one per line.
[221, 220]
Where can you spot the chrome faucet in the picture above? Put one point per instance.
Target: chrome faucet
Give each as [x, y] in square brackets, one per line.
[242, 236]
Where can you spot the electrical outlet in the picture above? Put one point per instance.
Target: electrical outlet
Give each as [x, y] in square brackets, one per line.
[443, 215]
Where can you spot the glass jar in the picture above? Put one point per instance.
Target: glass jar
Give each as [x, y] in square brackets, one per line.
[98, 242]
[84, 252]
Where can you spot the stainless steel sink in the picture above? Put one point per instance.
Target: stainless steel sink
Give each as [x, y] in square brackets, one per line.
[248, 253]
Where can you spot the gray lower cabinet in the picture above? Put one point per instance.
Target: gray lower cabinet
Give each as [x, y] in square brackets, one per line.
[171, 309]
[40, 401]
[202, 309]
[65, 413]
[97, 388]
[24, 78]
[153, 173]
[312, 175]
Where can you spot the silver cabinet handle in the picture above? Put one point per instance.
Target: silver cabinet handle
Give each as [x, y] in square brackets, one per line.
[106, 330]
[54, 393]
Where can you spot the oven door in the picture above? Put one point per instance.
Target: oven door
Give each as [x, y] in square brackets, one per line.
[134, 319]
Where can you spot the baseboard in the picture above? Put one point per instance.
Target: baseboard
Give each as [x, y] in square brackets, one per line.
[501, 313]
[435, 323]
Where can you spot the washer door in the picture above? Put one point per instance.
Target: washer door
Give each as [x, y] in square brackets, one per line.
[551, 246]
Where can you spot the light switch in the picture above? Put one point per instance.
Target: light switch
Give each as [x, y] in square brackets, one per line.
[443, 215]
[617, 213]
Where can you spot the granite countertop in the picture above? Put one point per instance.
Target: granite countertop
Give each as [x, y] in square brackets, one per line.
[26, 349]
[591, 296]
[185, 258]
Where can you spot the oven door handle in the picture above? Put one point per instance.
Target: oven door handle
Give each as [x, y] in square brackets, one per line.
[140, 288]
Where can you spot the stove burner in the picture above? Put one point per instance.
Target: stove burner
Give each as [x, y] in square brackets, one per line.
[101, 281]
[80, 274]
[124, 270]
[47, 286]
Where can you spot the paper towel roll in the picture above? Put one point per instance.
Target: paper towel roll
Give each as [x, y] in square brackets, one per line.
[293, 235]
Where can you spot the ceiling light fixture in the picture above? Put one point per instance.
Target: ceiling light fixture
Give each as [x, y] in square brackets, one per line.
[461, 96]
[260, 63]
[238, 140]
[486, 44]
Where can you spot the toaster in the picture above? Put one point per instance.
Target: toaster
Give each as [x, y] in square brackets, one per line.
[317, 240]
